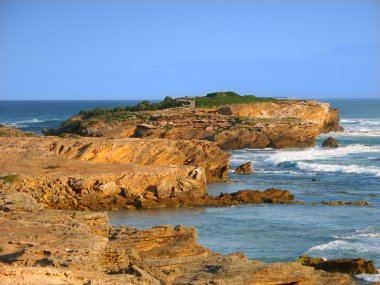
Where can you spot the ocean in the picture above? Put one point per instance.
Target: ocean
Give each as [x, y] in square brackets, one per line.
[271, 233]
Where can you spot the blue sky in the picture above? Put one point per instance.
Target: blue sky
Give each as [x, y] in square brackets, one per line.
[150, 49]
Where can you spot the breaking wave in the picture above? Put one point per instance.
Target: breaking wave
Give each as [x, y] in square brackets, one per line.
[319, 167]
[318, 153]
[364, 243]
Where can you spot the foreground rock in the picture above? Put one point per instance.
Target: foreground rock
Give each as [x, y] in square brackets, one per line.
[69, 247]
[330, 143]
[245, 168]
[349, 266]
[278, 124]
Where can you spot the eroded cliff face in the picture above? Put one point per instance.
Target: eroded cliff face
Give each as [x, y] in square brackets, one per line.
[31, 165]
[83, 175]
[147, 152]
[280, 124]
[70, 247]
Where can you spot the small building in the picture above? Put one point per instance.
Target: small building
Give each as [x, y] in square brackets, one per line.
[189, 102]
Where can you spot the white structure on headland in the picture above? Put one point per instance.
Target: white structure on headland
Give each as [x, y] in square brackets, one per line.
[190, 102]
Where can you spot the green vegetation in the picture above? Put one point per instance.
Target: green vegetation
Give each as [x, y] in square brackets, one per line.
[126, 112]
[226, 98]
[51, 166]
[119, 114]
[12, 178]
[1, 249]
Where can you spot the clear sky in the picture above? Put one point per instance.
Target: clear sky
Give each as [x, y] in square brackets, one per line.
[149, 49]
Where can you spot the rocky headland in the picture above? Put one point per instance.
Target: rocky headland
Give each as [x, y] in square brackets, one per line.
[276, 124]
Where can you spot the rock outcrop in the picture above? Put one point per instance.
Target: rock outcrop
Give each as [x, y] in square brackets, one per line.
[280, 124]
[92, 173]
[349, 266]
[7, 131]
[147, 152]
[245, 168]
[70, 247]
[330, 143]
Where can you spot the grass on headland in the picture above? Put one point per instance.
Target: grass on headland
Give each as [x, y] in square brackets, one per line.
[119, 114]
[227, 98]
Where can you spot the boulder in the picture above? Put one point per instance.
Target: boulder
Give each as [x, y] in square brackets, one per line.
[245, 168]
[330, 143]
[349, 266]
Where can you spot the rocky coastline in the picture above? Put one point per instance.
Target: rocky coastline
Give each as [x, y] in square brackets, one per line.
[53, 189]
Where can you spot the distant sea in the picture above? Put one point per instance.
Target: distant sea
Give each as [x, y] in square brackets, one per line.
[36, 115]
[271, 233]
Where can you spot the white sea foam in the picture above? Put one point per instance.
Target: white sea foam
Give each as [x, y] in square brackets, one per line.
[318, 153]
[349, 121]
[361, 241]
[361, 121]
[365, 242]
[321, 167]
[357, 133]
[369, 277]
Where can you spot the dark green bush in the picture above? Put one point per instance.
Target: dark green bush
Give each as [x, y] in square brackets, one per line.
[11, 178]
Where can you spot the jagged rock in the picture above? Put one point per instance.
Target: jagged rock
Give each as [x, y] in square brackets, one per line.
[330, 143]
[349, 266]
[339, 203]
[245, 168]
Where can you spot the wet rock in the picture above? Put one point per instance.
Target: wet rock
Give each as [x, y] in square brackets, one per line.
[339, 203]
[330, 143]
[349, 266]
[245, 168]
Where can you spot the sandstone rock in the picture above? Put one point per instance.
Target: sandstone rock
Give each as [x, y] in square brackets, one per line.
[146, 152]
[349, 266]
[245, 168]
[108, 189]
[70, 247]
[330, 143]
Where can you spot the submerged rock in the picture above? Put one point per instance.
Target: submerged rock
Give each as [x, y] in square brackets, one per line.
[349, 266]
[339, 203]
[245, 168]
[330, 143]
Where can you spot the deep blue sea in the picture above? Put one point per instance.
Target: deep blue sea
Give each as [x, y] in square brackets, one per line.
[271, 232]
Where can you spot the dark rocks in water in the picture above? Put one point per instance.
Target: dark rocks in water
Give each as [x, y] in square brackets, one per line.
[339, 203]
[349, 266]
[242, 197]
[314, 179]
[245, 168]
[330, 143]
